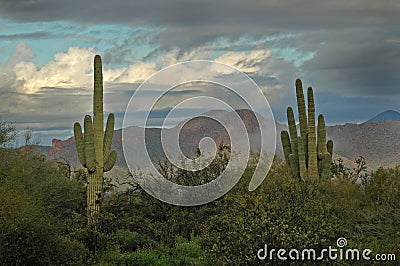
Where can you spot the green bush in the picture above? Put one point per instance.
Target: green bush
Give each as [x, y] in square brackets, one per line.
[37, 203]
[140, 257]
[131, 241]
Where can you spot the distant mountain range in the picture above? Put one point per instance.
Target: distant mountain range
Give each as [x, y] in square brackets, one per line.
[389, 115]
[377, 140]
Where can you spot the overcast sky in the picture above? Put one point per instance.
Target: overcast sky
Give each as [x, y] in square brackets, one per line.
[347, 50]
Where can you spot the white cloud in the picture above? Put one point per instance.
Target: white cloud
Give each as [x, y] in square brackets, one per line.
[175, 56]
[75, 67]
[249, 63]
[138, 71]
[66, 70]
[7, 74]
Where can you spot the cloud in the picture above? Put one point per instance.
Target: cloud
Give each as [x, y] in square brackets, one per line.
[136, 72]
[30, 35]
[22, 52]
[248, 63]
[72, 69]
[66, 70]
[366, 66]
[189, 24]
[321, 38]
[207, 12]
[7, 74]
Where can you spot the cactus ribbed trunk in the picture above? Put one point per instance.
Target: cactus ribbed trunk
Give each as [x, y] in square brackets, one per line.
[95, 188]
[312, 142]
[301, 108]
[98, 114]
[308, 156]
[93, 148]
[293, 156]
[287, 150]
[302, 159]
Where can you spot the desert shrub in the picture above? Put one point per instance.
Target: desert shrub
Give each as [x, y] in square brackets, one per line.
[37, 205]
[131, 241]
[184, 252]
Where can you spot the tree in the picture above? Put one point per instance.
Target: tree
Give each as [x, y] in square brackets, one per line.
[7, 132]
[38, 205]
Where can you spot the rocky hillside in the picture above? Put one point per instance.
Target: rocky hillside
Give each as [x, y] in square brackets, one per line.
[377, 142]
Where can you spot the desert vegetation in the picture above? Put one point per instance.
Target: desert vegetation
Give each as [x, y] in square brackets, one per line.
[43, 216]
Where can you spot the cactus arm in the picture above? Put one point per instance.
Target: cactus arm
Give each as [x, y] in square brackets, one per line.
[302, 158]
[89, 148]
[321, 136]
[301, 107]
[306, 148]
[291, 123]
[98, 112]
[326, 165]
[286, 146]
[108, 165]
[108, 136]
[312, 142]
[294, 161]
[325, 150]
[327, 161]
[294, 165]
[80, 145]
[329, 146]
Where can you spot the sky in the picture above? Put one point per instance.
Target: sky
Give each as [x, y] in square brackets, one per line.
[347, 50]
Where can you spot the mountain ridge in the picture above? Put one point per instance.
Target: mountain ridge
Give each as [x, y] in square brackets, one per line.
[388, 115]
[378, 142]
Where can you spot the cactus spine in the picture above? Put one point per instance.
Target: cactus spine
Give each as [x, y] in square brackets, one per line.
[93, 148]
[308, 156]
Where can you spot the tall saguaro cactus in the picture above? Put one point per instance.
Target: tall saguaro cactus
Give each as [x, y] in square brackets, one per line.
[307, 155]
[93, 147]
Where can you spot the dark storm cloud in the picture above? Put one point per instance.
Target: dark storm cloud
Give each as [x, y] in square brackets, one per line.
[31, 35]
[190, 13]
[195, 22]
[358, 62]
[122, 52]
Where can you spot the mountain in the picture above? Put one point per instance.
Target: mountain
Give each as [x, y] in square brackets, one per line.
[190, 133]
[389, 115]
[377, 142]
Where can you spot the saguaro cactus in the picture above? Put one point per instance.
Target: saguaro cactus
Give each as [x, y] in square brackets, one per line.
[307, 155]
[94, 148]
